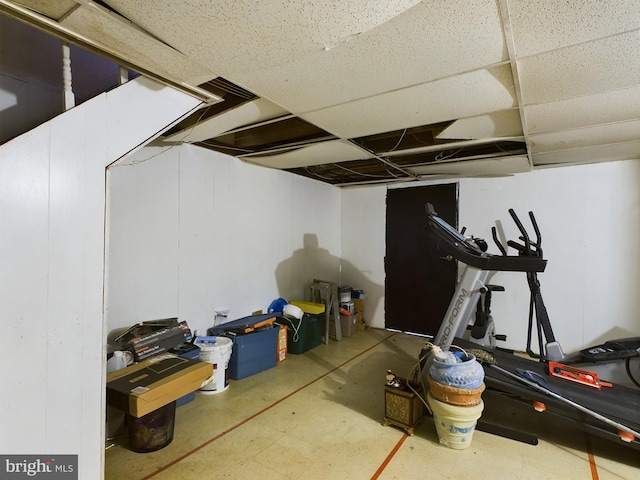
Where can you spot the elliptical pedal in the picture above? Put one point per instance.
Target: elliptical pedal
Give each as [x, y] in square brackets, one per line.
[483, 329]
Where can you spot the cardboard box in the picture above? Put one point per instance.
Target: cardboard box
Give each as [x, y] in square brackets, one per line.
[146, 386]
[186, 350]
[253, 352]
[358, 306]
[282, 355]
[282, 343]
[150, 338]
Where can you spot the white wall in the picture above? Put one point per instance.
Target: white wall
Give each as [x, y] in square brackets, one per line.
[183, 221]
[589, 218]
[363, 247]
[191, 230]
[52, 204]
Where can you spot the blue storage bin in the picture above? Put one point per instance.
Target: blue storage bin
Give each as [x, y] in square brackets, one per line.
[243, 325]
[253, 352]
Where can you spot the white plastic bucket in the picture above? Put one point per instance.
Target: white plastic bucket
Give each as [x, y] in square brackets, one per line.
[219, 354]
[455, 425]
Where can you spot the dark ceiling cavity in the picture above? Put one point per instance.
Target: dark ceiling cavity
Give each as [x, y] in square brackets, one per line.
[393, 153]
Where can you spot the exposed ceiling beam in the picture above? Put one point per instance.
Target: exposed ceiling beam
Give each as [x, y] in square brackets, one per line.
[511, 49]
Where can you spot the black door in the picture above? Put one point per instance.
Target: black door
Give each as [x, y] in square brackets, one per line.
[419, 282]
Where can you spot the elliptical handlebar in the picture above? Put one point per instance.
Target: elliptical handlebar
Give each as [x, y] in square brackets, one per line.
[529, 248]
[538, 243]
[525, 236]
[494, 234]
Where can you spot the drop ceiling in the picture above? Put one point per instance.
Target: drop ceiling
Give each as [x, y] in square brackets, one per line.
[353, 92]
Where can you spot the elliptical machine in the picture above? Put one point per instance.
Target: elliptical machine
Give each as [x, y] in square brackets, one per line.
[549, 349]
[610, 412]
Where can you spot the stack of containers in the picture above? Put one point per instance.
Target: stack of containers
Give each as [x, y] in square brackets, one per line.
[456, 383]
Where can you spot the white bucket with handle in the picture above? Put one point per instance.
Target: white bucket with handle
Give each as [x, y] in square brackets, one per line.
[216, 350]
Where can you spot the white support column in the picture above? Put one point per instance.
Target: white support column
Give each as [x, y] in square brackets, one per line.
[124, 75]
[69, 97]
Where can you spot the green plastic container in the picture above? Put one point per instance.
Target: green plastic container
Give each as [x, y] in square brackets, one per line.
[303, 334]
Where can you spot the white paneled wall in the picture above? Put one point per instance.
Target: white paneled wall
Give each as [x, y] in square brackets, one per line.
[192, 230]
[589, 217]
[590, 221]
[52, 212]
[363, 247]
[228, 208]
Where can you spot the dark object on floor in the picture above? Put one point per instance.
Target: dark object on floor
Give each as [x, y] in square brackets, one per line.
[152, 431]
[402, 406]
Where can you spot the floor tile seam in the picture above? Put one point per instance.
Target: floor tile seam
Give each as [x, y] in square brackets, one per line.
[593, 468]
[389, 457]
[260, 412]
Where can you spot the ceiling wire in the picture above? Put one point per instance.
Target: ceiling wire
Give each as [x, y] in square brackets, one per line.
[391, 174]
[228, 147]
[173, 145]
[197, 122]
[423, 142]
[316, 174]
[399, 141]
[441, 157]
[360, 173]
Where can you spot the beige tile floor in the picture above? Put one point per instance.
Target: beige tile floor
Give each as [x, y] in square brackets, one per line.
[319, 416]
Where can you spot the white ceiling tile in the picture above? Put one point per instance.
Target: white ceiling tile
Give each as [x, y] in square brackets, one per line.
[474, 168]
[554, 24]
[315, 154]
[250, 36]
[50, 9]
[584, 69]
[434, 102]
[497, 124]
[599, 153]
[607, 107]
[140, 49]
[248, 113]
[585, 137]
[431, 41]
[357, 67]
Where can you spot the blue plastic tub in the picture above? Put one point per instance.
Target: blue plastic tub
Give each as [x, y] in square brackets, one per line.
[253, 352]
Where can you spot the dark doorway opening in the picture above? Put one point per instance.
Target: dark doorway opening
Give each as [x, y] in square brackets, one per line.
[419, 281]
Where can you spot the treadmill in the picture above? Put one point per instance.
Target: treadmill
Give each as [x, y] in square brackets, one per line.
[610, 412]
